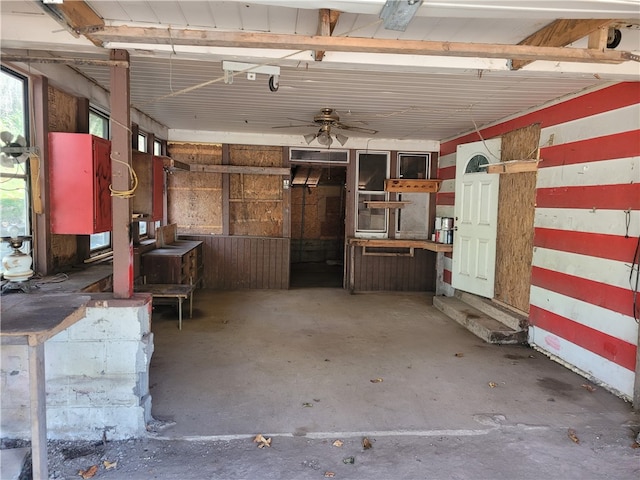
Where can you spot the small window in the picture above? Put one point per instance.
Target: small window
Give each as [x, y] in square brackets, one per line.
[142, 142]
[99, 126]
[142, 228]
[475, 164]
[98, 123]
[157, 147]
[300, 155]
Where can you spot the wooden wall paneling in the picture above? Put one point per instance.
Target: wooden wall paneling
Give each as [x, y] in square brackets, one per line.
[516, 205]
[193, 196]
[83, 242]
[62, 117]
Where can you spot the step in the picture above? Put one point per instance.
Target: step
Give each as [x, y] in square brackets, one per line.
[478, 323]
[11, 462]
[491, 309]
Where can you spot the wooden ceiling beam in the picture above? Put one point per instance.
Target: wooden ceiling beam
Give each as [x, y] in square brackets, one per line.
[75, 16]
[561, 33]
[327, 20]
[208, 38]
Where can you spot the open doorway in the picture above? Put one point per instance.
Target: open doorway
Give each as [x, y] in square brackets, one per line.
[317, 226]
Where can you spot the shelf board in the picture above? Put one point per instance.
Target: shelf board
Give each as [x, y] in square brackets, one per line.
[411, 185]
[389, 204]
[513, 166]
[393, 243]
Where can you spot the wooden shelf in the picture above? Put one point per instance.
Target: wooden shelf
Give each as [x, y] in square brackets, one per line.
[513, 166]
[411, 185]
[393, 243]
[383, 204]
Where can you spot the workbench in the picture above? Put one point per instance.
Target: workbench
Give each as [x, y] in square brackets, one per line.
[166, 290]
[31, 320]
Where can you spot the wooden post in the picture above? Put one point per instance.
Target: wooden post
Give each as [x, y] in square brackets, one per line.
[120, 163]
[38, 409]
[42, 253]
[226, 192]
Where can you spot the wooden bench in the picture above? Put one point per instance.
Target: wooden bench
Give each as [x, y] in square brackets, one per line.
[167, 290]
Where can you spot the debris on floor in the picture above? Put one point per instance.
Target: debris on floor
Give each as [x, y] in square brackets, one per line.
[338, 443]
[329, 474]
[89, 472]
[376, 380]
[366, 443]
[571, 433]
[109, 465]
[349, 460]
[588, 388]
[493, 384]
[262, 441]
[459, 354]
[307, 404]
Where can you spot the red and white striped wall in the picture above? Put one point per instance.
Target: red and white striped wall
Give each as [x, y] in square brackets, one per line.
[587, 224]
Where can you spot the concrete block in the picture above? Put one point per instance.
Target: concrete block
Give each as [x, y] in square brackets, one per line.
[86, 423]
[109, 324]
[15, 422]
[122, 356]
[77, 358]
[82, 391]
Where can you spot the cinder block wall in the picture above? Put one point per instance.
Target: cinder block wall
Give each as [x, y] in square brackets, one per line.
[97, 375]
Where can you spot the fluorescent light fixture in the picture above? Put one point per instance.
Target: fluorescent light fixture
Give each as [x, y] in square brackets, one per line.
[396, 14]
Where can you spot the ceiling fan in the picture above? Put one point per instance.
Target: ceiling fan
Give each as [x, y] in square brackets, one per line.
[328, 119]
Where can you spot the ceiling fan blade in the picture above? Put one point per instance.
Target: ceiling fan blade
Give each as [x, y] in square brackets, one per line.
[342, 126]
[296, 126]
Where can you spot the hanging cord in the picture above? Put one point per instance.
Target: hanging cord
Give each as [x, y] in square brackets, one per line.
[132, 174]
[635, 267]
[134, 182]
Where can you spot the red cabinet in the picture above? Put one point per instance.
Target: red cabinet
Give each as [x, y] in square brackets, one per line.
[79, 176]
[148, 199]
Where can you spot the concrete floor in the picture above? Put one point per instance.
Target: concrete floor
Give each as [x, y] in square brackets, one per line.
[298, 365]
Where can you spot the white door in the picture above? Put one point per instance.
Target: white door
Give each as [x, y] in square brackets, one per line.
[476, 215]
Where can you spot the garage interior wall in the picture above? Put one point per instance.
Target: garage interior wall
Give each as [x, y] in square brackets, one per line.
[586, 228]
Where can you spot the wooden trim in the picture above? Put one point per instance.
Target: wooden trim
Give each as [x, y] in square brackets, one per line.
[83, 242]
[513, 166]
[210, 38]
[226, 189]
[65, 60]
[411, 185]
[389, 204]
[42, 223]
[249, 170]
[598, 38]
[286, 197]
[560, 33]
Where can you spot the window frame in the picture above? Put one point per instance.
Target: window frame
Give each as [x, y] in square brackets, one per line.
[362, 233]
[105, 244]
[25, 176]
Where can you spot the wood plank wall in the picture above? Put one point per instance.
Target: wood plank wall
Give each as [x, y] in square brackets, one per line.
[402, 274]
[234, 262]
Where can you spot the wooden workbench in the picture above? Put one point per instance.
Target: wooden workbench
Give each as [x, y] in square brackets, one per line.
[30, 319]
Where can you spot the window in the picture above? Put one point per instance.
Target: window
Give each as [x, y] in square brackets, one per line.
[157, 147]
[142, 142]
[413, 218]
[14, 171]
[300, 155]
[372, 170]
[99, 126]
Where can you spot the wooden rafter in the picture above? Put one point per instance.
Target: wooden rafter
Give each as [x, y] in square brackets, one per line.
[327, 20]
[163, 36]
[560, 33]
[76, 16]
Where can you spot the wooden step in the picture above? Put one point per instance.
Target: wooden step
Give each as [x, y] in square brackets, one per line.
[493, 310]
[478, 323]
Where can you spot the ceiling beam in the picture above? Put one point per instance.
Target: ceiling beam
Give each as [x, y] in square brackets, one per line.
[327, 20]
[76, 16]
[560, 33]
[208, 38]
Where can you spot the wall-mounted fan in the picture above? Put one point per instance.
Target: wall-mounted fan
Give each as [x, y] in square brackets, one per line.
[13, 152]
[328, 119]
